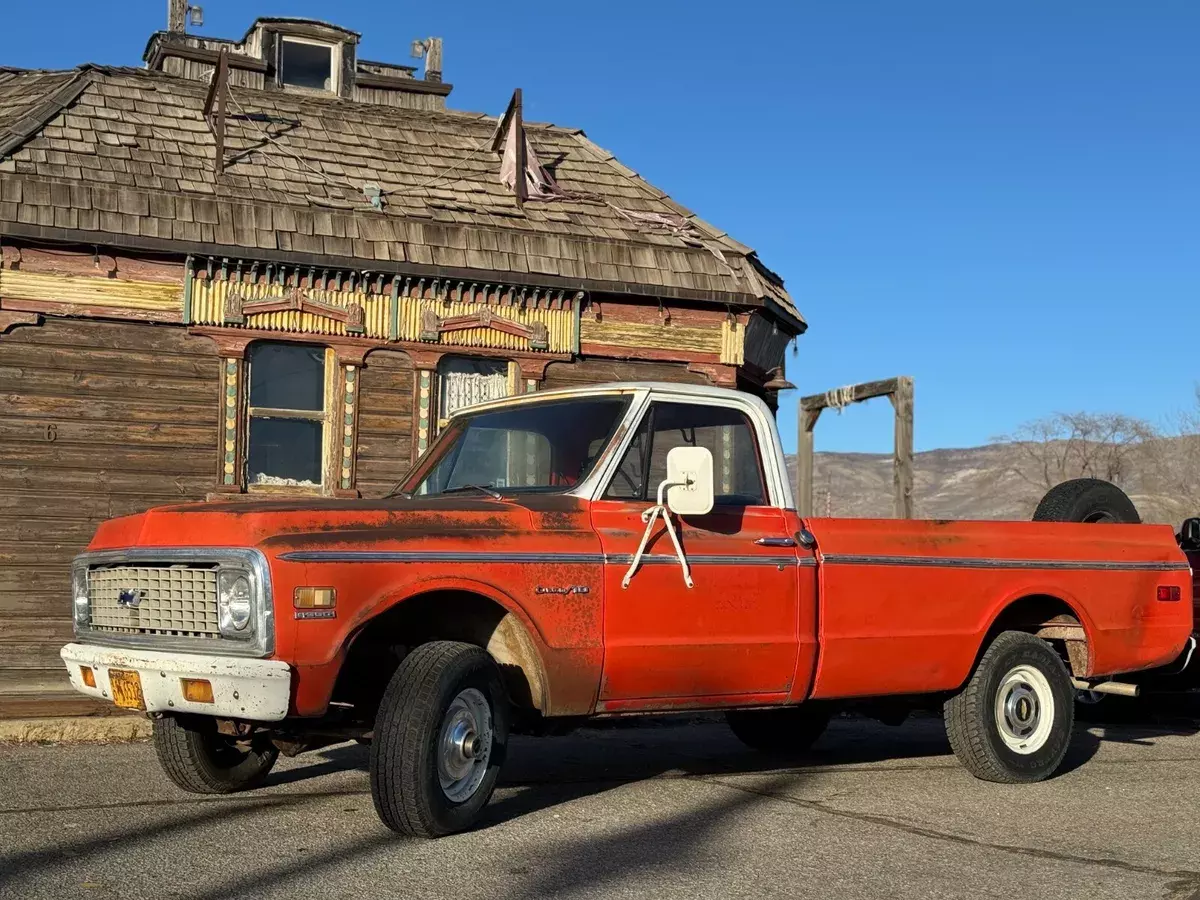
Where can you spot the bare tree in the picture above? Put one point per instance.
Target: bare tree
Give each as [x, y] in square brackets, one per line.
[1078, 445]
[1173, 466]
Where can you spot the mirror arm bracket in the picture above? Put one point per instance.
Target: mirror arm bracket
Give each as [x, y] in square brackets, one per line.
[650, 516]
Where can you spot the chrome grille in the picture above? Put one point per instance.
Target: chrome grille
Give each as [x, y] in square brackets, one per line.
[179, 600]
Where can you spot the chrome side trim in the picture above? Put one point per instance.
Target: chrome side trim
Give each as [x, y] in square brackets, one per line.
[247, 559]
[952, 562]
[407, 556]
[661, 559]
[622, 559]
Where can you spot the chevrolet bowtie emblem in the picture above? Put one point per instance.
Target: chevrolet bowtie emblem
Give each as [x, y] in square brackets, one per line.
[130, 597]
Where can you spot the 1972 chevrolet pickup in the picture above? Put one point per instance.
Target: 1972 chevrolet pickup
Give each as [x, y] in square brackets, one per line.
[618, 549]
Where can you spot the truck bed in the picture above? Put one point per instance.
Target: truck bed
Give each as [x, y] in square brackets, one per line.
[905, 605]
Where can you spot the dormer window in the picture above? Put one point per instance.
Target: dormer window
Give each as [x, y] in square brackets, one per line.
[309, 64]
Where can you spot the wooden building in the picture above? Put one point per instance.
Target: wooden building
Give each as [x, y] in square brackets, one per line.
[271, 266]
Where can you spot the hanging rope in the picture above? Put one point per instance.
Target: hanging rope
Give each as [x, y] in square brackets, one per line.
[840, 398]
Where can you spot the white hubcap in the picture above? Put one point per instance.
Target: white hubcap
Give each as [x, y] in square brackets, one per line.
[464, 745]
[1024, 710]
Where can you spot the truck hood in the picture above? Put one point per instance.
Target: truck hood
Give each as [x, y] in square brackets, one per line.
[281, 525]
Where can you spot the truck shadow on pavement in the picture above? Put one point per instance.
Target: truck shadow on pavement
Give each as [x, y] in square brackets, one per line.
[543, 772]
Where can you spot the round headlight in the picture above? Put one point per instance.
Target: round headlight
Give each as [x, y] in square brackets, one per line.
[235, 601]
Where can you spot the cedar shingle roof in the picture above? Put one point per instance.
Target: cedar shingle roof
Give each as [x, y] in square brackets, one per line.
[125, 156]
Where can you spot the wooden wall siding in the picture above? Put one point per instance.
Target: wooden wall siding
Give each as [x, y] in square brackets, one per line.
[97, 419]
[403, 99]
[385, 410]
[719, 337]
[95, 290]
[202, 71]
[596, 371]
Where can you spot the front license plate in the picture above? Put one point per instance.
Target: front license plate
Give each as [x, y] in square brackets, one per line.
[126, 689]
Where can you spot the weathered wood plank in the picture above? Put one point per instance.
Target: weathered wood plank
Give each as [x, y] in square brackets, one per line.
[165, 460]
[59, 431]
[39, 602]
[34, 578]
[37, 705]
[865, 391]
[596, 371]
[20, 474]
[127, 361]
[902, 462]
[27, 379]
[50, 679]
[30, 655]
[804, 461]
[113, 336]
[160, 412]
[34, 628]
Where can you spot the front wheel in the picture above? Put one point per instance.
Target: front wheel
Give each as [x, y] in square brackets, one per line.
[1012, 721]
[439, 740]
[201, 760]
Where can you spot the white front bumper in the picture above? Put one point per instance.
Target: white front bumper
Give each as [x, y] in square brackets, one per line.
[253, 689]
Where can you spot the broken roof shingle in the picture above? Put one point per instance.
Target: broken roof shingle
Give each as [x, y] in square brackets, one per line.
[133, 144]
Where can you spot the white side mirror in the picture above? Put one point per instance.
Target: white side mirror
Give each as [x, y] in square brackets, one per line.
[689, 484]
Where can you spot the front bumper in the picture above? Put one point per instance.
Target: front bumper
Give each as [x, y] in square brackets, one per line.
[253, 689]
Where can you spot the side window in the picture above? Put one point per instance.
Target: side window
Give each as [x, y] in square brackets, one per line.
[725, 432]
[287, 415]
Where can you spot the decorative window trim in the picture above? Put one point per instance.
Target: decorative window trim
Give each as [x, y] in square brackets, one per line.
[332, 453]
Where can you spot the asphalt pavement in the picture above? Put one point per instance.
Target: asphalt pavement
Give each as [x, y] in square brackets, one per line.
[673, 810]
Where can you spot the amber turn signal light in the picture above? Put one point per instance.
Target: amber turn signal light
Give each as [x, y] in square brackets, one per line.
[89, 677]
[1168, 592]
[314, 598]
[197, 690]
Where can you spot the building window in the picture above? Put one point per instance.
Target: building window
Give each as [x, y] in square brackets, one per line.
[288, 415]
[309, 64]
[728, 435]
[466, 382]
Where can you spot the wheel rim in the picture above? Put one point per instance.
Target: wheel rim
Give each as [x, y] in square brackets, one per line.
[1024, 710]
[464, 745]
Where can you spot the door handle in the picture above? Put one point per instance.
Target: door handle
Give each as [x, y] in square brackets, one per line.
[776, 542]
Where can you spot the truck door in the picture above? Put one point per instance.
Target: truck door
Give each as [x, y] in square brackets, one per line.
[734, 635]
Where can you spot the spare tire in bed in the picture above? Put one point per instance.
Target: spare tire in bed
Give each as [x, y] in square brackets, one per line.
[1086, 500]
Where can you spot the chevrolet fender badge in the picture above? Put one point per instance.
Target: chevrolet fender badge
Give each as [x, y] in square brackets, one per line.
[316, 614]
[572, 589]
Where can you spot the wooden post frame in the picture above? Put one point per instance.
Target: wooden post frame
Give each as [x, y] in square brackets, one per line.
[900, 391]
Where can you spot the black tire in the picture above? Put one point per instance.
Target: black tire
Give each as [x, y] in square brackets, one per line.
[202, 761]
[1005, 674]
[408, 741]
[1086, 500]
[787, 729]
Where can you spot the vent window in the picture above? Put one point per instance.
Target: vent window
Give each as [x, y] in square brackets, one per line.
[309, 64]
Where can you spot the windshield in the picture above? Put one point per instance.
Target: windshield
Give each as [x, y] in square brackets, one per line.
[549, 446]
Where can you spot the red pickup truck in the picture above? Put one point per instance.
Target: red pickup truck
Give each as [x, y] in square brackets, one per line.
[618, 549]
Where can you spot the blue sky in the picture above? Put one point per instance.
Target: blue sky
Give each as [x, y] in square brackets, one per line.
[998, 198]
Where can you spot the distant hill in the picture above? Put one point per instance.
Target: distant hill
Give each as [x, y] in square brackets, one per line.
[981, 483]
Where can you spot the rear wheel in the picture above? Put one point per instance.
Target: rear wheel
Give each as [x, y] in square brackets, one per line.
[201, 760]
[439, 740]
[786, 729]
[1012, 721]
